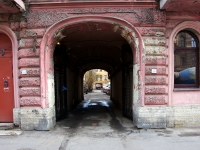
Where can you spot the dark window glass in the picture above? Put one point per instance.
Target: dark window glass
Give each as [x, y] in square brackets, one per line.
[182, 42]
[186, 60]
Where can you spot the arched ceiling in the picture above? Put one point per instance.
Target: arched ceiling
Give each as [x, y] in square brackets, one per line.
[93, 46]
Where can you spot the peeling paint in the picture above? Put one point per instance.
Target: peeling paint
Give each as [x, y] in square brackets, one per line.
[115, 27]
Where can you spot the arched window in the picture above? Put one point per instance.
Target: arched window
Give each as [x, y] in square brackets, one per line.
[186, 60]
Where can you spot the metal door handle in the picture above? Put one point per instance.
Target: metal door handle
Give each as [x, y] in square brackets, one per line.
[2, 52]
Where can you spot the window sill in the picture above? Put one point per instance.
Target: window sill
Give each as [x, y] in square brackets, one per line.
[186, 89]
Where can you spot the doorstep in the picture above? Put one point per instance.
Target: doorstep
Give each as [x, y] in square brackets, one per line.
[8, 129]
[6, 126]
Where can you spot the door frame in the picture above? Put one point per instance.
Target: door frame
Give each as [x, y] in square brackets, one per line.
[6, 30]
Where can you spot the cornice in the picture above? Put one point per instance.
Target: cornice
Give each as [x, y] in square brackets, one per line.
[97, 4]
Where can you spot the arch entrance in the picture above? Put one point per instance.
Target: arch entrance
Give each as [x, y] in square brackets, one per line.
[6, 85]
[76, 45]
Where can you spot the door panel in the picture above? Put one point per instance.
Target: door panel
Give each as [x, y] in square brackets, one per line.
[6, 90]
[6, 80]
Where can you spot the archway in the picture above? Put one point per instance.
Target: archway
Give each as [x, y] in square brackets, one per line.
[94, 24]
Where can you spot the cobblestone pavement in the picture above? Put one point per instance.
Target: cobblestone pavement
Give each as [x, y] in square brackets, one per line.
[97, 125]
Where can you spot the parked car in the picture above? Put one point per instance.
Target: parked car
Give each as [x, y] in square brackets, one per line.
[108, 91]
[98, 86]
[106, 88]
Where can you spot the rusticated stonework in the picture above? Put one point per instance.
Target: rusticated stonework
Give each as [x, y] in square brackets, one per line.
[28, 53]
[156, 60]
[32, 32]
[29, 62]
[25, 43]
[29, 82]
[155, 90]
[45, 18]
[155, 50]
[30, 101]
[160, 70]
[155, 100]
[30, 72]
[155, 80]
[146, 31]
[154, 41]
[14, 26]
[30, 91]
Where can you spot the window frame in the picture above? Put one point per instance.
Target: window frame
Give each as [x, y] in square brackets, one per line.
[105, 77]
[190, 49]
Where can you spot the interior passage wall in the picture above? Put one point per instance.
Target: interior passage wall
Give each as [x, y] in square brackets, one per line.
[80, 94]
[70, 89]
[116, 87]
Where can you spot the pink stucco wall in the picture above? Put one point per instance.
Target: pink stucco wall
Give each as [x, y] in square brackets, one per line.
[181, 96]
[147, 27]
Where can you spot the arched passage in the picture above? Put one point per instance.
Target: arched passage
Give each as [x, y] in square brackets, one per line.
[75, 30]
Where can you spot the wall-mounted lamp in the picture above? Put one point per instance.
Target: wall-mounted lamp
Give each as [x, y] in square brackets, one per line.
[58, 43]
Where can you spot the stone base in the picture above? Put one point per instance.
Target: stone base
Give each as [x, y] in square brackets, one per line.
[149, 117]
[35, 118]
[29, 118]
[164, 116]
[6, 126]
[187, 116]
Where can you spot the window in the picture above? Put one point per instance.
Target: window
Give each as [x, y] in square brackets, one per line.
[100, 70]
[186, 60]
[105, 77]
[193, 42]
[97, 78]
[100, 77]
[182, 41]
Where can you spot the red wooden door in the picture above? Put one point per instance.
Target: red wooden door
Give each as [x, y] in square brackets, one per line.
[6, 80]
